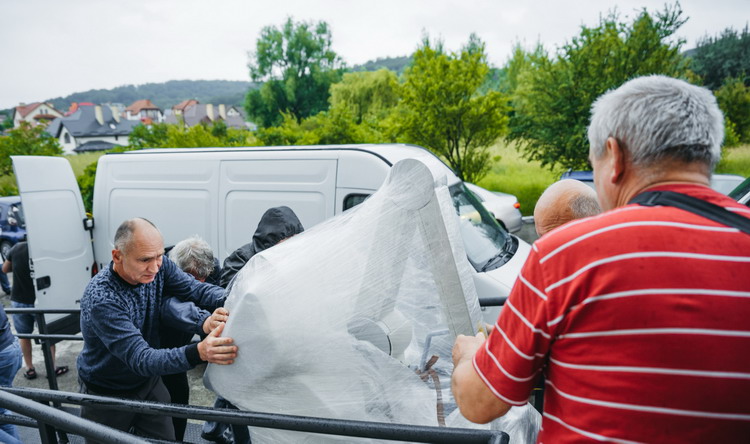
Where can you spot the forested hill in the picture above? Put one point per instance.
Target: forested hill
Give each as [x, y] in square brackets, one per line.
[167, 94]
[164, 95]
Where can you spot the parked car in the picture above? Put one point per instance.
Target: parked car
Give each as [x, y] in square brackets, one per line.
[503, 206]
[741, 193]
[723, 183]
[12, 223]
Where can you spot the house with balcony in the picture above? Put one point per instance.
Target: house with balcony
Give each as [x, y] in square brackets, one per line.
[91, 128]
[144, 111]
[34, 113]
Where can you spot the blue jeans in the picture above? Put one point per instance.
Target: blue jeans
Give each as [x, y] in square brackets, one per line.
[10, 362]
[24, 322]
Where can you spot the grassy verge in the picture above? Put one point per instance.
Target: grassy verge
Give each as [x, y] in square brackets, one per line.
[735, 161]
[527, 180]
[515, 175]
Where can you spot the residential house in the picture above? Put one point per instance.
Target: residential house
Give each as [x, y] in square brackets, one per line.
[91, 128]
[34, 113]
[182, 106]
[191, 114]
[145, 111]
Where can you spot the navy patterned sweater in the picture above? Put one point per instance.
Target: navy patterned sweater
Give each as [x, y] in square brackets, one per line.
[120, 328]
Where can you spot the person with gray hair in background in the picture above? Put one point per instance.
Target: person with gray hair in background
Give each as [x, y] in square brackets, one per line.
[636, 318]
[563, 201]
[180, 319]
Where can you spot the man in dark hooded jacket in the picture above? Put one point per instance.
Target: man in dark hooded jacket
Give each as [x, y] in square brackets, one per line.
[276, 225]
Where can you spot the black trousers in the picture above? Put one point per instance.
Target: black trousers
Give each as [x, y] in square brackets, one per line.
[179, 392]
[149, 426]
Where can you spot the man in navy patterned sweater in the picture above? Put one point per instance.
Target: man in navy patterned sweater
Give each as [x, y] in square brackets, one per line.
[120, 318]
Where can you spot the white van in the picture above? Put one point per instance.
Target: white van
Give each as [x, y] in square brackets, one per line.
[220, 194]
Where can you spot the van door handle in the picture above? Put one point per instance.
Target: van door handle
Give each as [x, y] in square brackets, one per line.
[43, 282]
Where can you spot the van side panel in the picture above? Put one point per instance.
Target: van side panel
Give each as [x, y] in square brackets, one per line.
[249, 187]
[176, 193]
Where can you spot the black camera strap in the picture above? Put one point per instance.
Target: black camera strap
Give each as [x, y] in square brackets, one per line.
[693, 205]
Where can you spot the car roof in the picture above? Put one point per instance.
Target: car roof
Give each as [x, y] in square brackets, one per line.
[390, 153]
[10, 200]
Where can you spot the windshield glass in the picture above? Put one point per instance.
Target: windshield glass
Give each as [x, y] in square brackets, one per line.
[484, 239]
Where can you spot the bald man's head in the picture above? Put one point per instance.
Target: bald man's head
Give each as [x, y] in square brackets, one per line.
[562, 202]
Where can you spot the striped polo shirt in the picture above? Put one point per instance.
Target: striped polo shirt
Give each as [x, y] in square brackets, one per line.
[639, 319]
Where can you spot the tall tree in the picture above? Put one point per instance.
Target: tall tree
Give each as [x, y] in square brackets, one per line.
[734, 101]
[367, 95]
[718, 58]
[297, 66]
[26, 140]
[553, 97]
[443, 110]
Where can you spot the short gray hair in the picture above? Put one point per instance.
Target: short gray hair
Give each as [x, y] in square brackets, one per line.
[193, 255]
[124, 233]
[657, 118]
[584, 205]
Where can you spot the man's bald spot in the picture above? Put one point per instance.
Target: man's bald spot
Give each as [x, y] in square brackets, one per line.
[127, 230]
[562, 202]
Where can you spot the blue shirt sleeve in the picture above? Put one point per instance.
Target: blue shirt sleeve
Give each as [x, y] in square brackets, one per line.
[183, 316]
[112, 325]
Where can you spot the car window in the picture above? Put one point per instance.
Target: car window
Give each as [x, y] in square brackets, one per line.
[352, 200]
[484, 239]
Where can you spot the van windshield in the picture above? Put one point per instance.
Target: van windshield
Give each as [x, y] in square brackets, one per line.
[487, 244]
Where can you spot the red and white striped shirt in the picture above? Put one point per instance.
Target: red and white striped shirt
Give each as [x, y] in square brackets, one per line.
[639, 319]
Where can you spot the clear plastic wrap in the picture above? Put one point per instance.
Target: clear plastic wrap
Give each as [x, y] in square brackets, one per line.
[343, 320]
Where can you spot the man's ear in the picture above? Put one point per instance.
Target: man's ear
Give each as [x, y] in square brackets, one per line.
[616, 156]
[117, 256]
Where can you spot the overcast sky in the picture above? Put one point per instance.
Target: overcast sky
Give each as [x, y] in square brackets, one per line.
[53, 48]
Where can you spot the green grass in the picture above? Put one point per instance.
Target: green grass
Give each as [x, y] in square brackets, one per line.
[527, 180]
[515, 175]
[735, 161]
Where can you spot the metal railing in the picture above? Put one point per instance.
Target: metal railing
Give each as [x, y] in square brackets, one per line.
[361, 429]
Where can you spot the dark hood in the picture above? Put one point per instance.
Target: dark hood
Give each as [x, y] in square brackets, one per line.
[275, 225]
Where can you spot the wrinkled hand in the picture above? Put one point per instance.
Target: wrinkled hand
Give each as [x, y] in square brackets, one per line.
[466, 346]
[216, 349]
[219, 315]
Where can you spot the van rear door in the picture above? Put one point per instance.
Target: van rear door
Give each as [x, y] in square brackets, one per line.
[60, 246]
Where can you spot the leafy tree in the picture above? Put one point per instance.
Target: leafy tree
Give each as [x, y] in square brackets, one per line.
[297, 65]
[553, 97]
[5, 121]
[163, 135]
[734, 101]
[442, 109]
[335, 126]
[367, 95]
[727, 55]
[86, 185]
[26, 140]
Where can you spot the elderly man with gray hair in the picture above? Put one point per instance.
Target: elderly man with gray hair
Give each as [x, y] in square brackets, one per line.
[563, 201]
[636, 318]
[120, 320]
[180, 319]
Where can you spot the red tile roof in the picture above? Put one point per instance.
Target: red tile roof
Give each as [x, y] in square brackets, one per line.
[139, 105]
[26, 109]
[185, 104]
